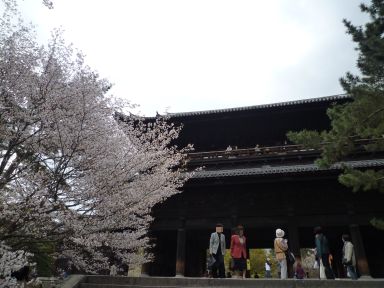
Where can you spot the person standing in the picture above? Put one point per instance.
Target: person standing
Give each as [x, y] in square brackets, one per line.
[239, 251]
[217, 250]
[268, 265]
[322, 248]
[281, 245]
[299, 271]
[113, 270]
[349, 259]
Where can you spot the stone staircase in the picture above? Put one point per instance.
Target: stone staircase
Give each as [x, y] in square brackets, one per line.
[79, 281]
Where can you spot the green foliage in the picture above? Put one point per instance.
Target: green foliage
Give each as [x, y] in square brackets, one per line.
[371, 46]
[44, 264]
[43, 256]
[378, 223]
[363, 117]
[44, 259]
[257, 258]
[362, 180]
[227, 260]
[310, 139]
[43, 252]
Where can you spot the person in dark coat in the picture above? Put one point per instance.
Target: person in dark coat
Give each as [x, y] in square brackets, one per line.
[322, 249]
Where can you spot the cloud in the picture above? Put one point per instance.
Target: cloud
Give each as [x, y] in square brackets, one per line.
[208, 54]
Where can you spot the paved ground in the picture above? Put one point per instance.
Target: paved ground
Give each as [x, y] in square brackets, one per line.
[79, 281]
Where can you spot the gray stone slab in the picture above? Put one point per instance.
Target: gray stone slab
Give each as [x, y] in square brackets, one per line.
[73, 281]
[170, 282]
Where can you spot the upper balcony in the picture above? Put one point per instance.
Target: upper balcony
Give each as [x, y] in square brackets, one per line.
[257, 154]
[277, 160]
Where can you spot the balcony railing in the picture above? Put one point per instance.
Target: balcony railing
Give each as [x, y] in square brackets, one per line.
[250, 152]
[267, 151]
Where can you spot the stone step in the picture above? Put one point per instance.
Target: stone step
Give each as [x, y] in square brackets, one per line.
[94, 285]
[173, 282]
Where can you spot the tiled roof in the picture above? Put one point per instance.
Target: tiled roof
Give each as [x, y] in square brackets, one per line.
[270, 170]
[263, 106]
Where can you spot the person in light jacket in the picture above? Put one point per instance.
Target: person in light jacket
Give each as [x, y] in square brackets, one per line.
[217, 250]
[268, 265]
[281, 245]
[349, 259]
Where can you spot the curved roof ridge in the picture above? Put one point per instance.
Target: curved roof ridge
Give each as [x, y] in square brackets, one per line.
[261, 106]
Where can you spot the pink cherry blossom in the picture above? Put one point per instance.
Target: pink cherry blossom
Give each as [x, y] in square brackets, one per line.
[70, 172]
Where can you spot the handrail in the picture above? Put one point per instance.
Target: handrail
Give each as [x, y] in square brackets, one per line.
[266, 150]
[248, 152]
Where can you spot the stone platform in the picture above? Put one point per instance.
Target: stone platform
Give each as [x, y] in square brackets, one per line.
[79, 281]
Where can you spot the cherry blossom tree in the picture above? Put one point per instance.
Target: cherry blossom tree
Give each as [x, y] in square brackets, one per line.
[10, 261]
[70, 173]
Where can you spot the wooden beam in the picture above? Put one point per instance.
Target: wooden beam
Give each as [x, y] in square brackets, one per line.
[180, 252]
[361, 258]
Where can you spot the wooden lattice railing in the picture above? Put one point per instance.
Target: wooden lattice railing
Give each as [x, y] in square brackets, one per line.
[268, 151]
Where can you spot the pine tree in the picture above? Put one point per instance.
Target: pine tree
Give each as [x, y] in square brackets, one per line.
[363, 117]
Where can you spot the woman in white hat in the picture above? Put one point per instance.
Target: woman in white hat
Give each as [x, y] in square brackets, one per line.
[281, 246]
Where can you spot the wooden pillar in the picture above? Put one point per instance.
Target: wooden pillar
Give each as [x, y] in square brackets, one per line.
[293, 244]
[145, 269]
[293, 230]
[203, 261]
[361, 258]
[180, 252]
[293, 239]
[234, 224]
[233, 221]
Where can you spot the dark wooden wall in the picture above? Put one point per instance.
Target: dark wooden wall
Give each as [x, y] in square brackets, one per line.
[295, 204]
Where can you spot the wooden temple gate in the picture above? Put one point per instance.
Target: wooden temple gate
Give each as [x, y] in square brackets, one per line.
[264, 183]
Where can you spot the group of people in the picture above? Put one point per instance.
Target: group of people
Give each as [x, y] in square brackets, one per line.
[238, 252]
[283, 255]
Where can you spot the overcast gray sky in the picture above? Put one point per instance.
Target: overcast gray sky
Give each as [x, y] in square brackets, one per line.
[193, 55]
